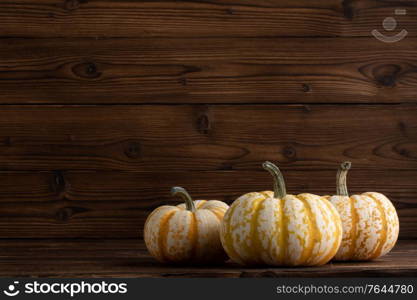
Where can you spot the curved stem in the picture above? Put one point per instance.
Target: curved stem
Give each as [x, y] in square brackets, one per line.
[341, 186]
[279, 183]
[181, 192]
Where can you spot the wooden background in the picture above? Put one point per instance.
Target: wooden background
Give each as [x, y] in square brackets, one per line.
[105, 104]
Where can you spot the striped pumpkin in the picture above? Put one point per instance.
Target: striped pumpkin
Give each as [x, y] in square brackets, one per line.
[277, 229]
[370, 222]
[187, 232]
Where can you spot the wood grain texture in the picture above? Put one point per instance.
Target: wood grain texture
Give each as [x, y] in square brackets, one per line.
[105, 104]
[220, 70]
[214, 18]
[203, 137]
[76, 204]
[129, 258]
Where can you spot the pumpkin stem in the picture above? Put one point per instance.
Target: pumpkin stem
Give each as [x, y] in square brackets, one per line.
[341, 186]
[181, 192]
[279, 183]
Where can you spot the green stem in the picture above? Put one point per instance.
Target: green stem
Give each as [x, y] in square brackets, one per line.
[341, 186]
[181, 192]
[279, 183]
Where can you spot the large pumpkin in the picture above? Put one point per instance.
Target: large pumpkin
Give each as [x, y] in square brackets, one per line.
[274, 228]
[370, 221]
[186, 233]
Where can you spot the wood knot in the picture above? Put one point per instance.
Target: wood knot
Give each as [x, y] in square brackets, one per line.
[203, 124]
[226, 166]
[306, 87]
[87, 70]
[386, 75]
[133, 150]
[348, 10]
[230, 11]
[402, 150]
[91, 69]
[289, 152]
[63, 214]
[59, 178]
[402, 127]
[388, 81]
[58, 184]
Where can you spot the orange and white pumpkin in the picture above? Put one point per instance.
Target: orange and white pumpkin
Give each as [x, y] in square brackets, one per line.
[370, 221]
[277, 229]
[187, 232]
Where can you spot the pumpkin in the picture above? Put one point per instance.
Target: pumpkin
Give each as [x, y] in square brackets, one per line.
[370, 222]
[187, 232]
[277, 229]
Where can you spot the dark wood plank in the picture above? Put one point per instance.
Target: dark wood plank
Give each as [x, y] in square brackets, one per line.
[203, 138]
[116, 204]
[129, 258]
[214, 18]
[172, 71]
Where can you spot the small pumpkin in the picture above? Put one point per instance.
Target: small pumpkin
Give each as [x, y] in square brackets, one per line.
[370, 221]
[274, 228]
[188, 232]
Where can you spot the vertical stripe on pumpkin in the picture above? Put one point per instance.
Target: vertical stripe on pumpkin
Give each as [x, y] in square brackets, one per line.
[269, 230]
[226, 233]
[177, 233]
[153, 226]
[241, 224]
[334, 234]
[390, 219]
[297, 229]
[208, 242]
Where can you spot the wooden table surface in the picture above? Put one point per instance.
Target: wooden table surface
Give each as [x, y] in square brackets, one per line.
[129, 258]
